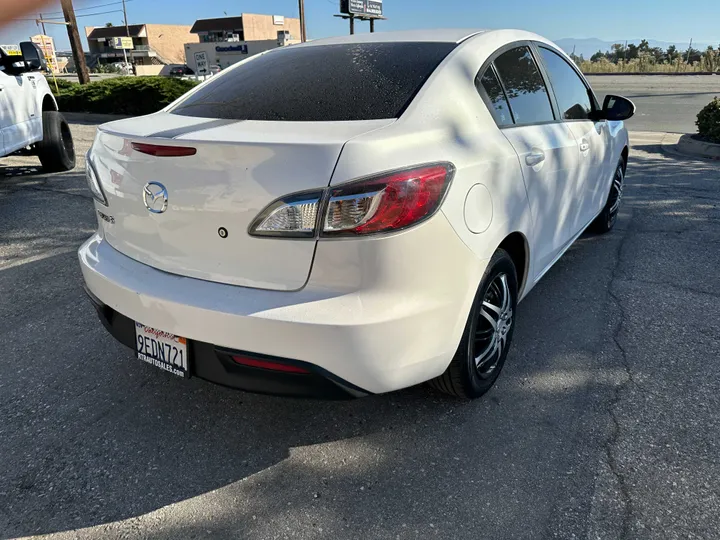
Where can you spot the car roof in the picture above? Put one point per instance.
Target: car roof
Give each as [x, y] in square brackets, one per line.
[441, 35]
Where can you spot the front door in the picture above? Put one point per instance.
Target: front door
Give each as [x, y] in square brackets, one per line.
[575, 103]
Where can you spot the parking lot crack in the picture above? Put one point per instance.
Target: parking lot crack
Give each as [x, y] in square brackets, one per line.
[613, 439]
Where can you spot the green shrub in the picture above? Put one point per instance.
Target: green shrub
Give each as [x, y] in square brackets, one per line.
[122, 95]
[708, 121]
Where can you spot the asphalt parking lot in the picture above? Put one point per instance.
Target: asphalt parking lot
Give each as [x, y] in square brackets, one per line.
[603, 424]
[664, 102]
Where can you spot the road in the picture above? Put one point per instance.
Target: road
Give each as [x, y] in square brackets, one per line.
[664, 102]
[603, 424]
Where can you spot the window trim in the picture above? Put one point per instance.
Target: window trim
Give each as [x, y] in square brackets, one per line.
[537, 45]
[533, 45]
[491, 62]
[486, 98]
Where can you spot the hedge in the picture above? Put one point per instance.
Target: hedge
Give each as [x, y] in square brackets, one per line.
[121, 95]
[708, 121]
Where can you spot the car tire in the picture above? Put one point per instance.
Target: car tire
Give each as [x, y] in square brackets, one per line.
[56, 150]
[607, 218]
[488, 333]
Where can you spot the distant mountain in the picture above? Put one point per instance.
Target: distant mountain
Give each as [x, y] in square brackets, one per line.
[589, 46]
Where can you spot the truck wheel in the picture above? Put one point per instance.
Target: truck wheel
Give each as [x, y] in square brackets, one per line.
[57, 150]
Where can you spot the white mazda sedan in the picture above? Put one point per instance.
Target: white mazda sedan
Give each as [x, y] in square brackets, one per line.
[352, 215]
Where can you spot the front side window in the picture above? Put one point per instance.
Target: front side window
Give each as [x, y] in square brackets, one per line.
[572, 95]
[354, 81]
[524, 86]
[489, 85]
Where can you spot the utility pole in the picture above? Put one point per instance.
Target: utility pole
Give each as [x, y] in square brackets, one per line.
[127, 33]
[75, 44]
[687, 60]
[127, 29]
[43, 24]
[301, 10]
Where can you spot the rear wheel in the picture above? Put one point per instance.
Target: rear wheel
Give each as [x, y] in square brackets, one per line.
[57, 150]
[607, 218]
[488, 333]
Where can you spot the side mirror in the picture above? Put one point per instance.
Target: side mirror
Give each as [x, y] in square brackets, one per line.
[617, 108]
[33, 56]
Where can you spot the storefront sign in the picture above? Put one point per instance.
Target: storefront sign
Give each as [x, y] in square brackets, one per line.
[232, 48]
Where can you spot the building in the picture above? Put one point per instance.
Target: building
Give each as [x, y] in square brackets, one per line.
[154, 45]
[228, 40]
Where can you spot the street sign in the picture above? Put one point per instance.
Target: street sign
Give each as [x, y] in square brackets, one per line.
[362, 7]
[125, 43]
[201, 62]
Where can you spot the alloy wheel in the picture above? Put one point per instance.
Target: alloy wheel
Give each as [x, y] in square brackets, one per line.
[616, 193]
[493, 326]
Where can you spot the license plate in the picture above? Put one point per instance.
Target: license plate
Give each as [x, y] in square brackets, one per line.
[162, 349]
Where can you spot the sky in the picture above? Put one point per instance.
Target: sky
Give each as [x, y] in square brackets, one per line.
[664, 20]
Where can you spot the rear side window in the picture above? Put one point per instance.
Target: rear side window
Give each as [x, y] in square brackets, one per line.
[354, 81]
[489, 85]
[572, 95]
[524, 86]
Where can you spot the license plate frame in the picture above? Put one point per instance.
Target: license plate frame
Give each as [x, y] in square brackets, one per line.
[162, 350]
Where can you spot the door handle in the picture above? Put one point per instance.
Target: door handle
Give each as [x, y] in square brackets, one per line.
[535, 157]
[584, 146]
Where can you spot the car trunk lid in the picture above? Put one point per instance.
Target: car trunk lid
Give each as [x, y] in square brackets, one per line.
[239, 167]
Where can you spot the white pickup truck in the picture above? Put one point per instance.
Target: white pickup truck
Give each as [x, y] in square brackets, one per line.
[29, 116]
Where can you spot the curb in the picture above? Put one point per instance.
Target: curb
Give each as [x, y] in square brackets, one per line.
[687, 145]
[673, 144]
[91, 118]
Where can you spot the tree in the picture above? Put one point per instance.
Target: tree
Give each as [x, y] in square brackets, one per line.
[658, 54]
[108, 25]
[597, 56]
[632, 51]
[692, 55]
[672, 53]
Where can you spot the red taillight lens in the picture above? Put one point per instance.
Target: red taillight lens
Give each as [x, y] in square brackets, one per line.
[164, 151]
[268, 364]
[385, 203]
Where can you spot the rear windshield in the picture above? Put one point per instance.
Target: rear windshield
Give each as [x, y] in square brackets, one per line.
[356, 81]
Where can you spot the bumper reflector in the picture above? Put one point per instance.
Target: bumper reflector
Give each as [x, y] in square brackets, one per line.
[268, 364]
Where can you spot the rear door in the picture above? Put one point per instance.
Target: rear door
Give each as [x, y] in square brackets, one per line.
[547, 150]
[576, 103]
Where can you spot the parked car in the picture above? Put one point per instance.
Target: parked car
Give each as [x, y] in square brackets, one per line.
[180, 71]
[29, 116]
[352, 215]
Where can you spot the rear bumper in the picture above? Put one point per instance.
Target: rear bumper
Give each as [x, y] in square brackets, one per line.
[216, 365]
[375, 315]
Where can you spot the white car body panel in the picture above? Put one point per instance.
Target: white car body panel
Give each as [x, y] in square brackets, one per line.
[21, 98]
[381, 312]
[239, 168]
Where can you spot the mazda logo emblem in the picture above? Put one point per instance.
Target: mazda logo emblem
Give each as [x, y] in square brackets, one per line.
[155, 197]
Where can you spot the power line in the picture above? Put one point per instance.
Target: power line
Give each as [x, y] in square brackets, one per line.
[93, 7]
[77, 16]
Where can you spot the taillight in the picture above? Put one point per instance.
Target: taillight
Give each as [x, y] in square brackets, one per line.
[387, 202]
[292, 216]
[160, 150]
